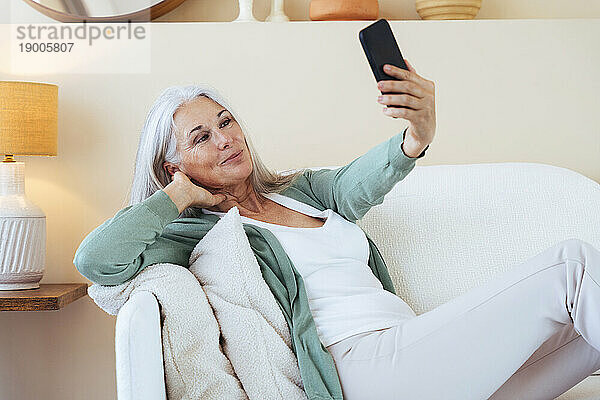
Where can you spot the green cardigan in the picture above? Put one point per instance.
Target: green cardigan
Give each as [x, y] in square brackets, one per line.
[151, 232]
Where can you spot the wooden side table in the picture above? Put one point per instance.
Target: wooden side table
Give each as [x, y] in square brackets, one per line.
[49, 296]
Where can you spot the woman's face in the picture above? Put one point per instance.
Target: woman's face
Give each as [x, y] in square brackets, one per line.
[207, 134]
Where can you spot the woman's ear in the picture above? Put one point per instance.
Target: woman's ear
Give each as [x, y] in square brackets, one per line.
[170, 168]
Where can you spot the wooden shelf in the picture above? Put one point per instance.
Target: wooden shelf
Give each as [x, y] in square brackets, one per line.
[49, 296]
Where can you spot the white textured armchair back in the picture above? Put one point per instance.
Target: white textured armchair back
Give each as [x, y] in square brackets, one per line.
[447, 228]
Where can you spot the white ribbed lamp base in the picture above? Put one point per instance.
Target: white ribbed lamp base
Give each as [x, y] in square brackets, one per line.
[22, 232]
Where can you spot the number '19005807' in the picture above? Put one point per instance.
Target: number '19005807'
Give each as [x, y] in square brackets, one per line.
[36, 47]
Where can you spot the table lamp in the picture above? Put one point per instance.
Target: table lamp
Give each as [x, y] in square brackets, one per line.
[28, 126]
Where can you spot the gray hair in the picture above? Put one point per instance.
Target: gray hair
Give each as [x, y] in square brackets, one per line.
[158, 144]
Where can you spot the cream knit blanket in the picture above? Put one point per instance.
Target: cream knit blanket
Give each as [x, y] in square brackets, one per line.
[222, 298]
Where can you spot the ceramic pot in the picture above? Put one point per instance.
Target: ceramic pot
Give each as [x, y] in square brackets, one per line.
[343, 10]
[448, 9]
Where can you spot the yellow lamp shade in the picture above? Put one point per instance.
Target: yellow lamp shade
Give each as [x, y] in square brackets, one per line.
[28, 118]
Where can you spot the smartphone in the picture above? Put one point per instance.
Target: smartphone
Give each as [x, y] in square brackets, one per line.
[380, 47]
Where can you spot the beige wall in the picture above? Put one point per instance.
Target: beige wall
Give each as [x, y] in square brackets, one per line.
[515, 90]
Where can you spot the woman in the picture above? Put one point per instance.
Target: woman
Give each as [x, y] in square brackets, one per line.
[532, 333]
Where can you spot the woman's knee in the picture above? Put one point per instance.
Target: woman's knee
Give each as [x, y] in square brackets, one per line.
[576, 249]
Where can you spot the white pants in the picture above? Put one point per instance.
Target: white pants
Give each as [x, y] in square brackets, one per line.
[530, 333]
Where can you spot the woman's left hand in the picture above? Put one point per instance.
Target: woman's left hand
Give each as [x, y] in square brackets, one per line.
[419, 96]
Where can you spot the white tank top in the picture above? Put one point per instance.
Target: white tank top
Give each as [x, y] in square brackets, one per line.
[344, 296]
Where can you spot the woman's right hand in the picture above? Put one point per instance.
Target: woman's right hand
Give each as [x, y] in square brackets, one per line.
[185, 193]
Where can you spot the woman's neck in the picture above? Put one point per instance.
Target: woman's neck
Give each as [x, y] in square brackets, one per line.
[245, 199]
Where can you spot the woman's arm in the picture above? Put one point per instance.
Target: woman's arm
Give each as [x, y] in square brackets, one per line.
[353, 189]
[122, 246]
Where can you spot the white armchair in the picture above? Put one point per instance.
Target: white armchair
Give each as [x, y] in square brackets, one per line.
[138, 347]
[493, 215]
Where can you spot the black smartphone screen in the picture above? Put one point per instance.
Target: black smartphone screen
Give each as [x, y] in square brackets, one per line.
[380, 47]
